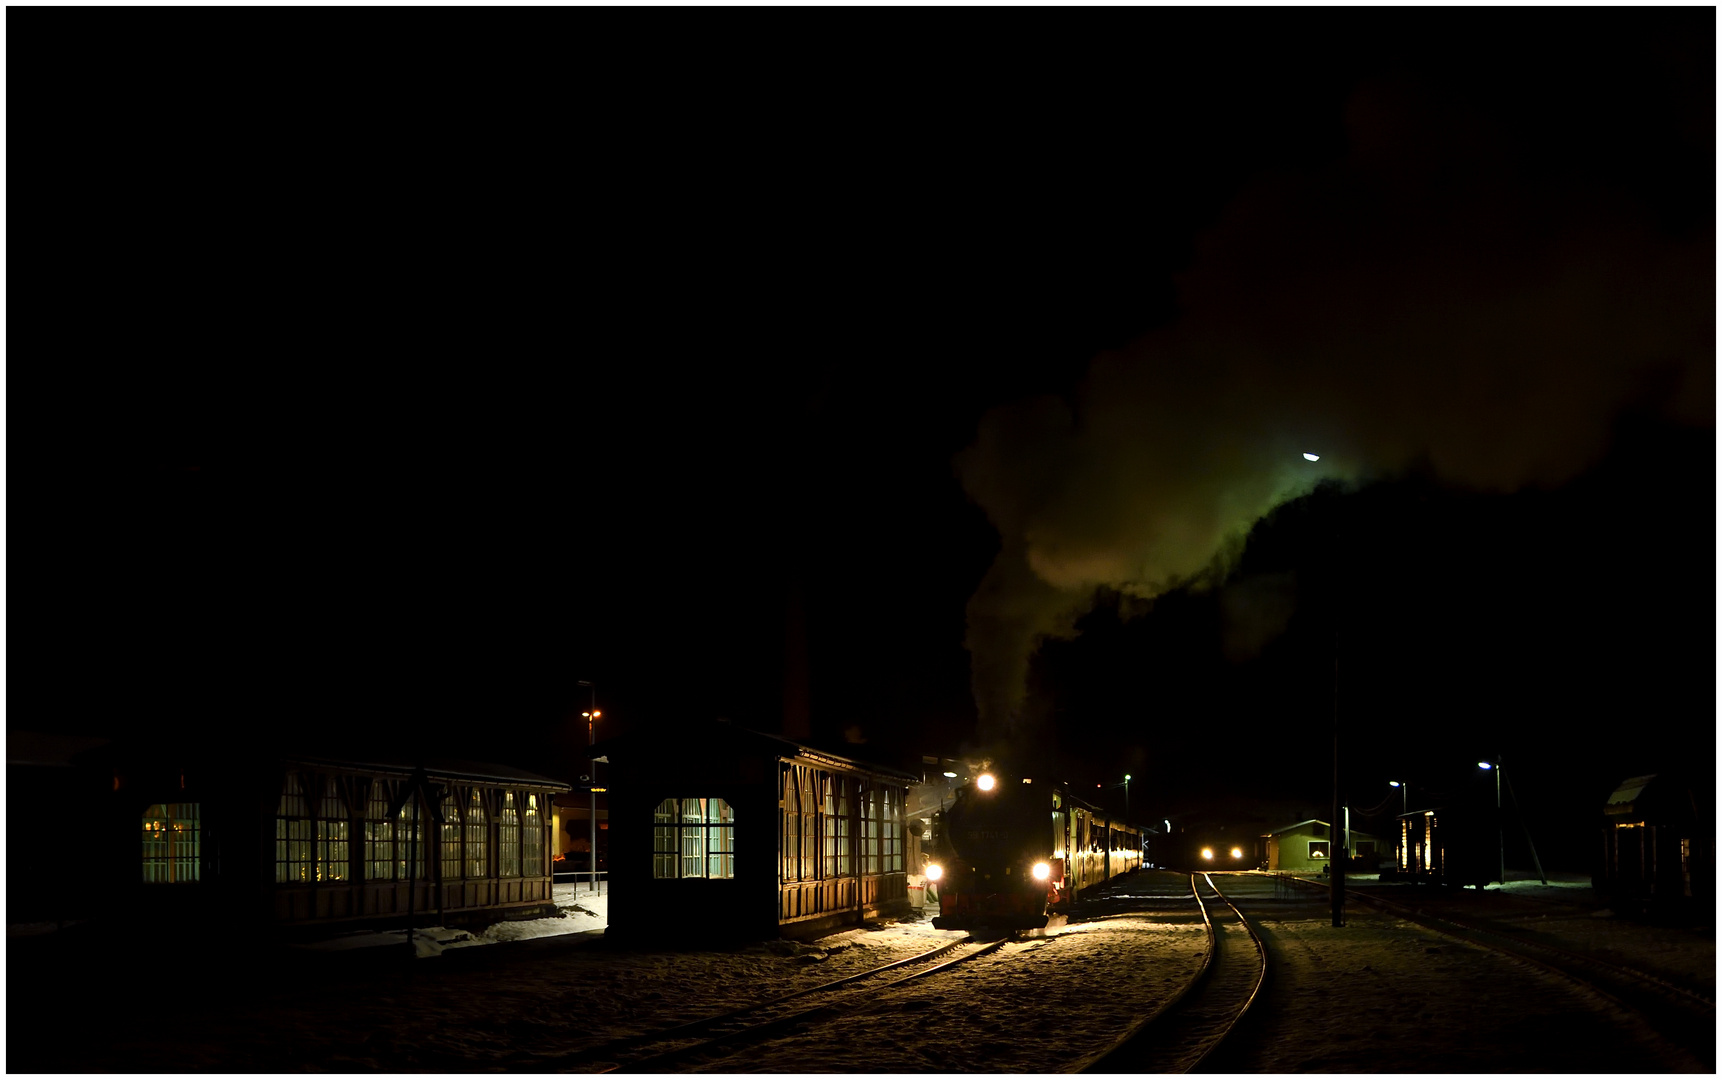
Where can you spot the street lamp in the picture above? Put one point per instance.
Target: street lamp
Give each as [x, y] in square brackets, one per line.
[1500, 836]
[1336, 876]
[1127, 798]
[591, 716]
[1404, 795]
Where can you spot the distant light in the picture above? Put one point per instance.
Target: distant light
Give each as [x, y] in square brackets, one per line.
[985, 783]
[1393, 783]
[1208, 853]
[1026, 780]
[1312, 457]
[1126, 776]
[1484, 765]
[950, 774]
[1237, 853]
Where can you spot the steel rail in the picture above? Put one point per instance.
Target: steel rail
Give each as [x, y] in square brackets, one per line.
[1103, 1060]
[691, 1027]
[1255, 989]
[656, 1062]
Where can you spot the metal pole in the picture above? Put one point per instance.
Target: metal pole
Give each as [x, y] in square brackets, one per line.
[1336, 876]
[592, 767]
[1500, 835]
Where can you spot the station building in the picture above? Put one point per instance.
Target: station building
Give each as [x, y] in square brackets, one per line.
[305, 839]
[718, 831]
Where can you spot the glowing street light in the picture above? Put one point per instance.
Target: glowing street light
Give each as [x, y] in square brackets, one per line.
[1404, 795]
[1312, 457]
[591, 716]
[1500, 835]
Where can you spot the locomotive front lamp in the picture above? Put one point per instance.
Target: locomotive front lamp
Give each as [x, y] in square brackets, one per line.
[985, 783]
[1208, 853]
[1237, 853]
[935, 871]
[1042, 871]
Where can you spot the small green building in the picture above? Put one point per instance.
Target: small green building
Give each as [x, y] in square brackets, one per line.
[1307, 846]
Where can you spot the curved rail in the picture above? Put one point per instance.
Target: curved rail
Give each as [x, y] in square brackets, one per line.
[657, 1062]
[1185, 1031]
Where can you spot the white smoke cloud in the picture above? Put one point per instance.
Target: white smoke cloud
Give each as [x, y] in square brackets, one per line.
[1420, 301]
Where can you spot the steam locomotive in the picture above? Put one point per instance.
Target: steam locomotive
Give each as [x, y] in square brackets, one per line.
[1011, 850]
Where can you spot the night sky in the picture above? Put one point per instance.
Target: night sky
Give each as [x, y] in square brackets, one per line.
[937, 385]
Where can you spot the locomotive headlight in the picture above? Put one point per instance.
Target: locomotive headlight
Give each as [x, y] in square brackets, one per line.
[985, 783]
[1237, 853]
[1042, 871]
[935, 871]
[1208, 853]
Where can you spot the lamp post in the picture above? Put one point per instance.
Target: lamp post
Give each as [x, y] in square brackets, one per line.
[1126, 798]
[1336, 853]
[1404, 796]
[591, 716]
[1500, 835]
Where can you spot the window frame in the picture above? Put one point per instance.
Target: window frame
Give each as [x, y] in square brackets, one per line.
[295, 857]
[508, 848]
[173, 847]
[692, 837]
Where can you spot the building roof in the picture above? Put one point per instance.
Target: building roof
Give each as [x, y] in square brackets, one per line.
[326, 752]
[1297, 825]
[1628, 793]
[691, 737]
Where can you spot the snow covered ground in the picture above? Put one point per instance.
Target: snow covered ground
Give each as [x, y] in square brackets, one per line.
[1377, 995]
[582, 911]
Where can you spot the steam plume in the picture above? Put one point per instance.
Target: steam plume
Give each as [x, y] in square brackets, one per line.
[1414, 302]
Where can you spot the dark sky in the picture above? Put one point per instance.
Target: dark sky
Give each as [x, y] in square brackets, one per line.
[387, 385]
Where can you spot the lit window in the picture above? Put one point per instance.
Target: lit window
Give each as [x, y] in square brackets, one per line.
[449, 834]
[508, 837]
[532, 839]
[332, 829]
[844, 787]
[293, 861]
[379, 834]
[693, 838]
[477, 830]
[172, 843]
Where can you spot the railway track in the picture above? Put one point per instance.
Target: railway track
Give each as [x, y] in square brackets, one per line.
[1190, 1027]
[658, 1050]
[1681, 1014]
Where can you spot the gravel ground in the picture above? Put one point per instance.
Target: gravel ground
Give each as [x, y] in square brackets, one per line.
[1377, 995]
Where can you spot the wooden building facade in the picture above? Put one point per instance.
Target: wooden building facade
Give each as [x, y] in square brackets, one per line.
[717, 831]
[302, 840]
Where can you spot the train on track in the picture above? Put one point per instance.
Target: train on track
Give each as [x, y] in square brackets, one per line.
[1012, 850]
